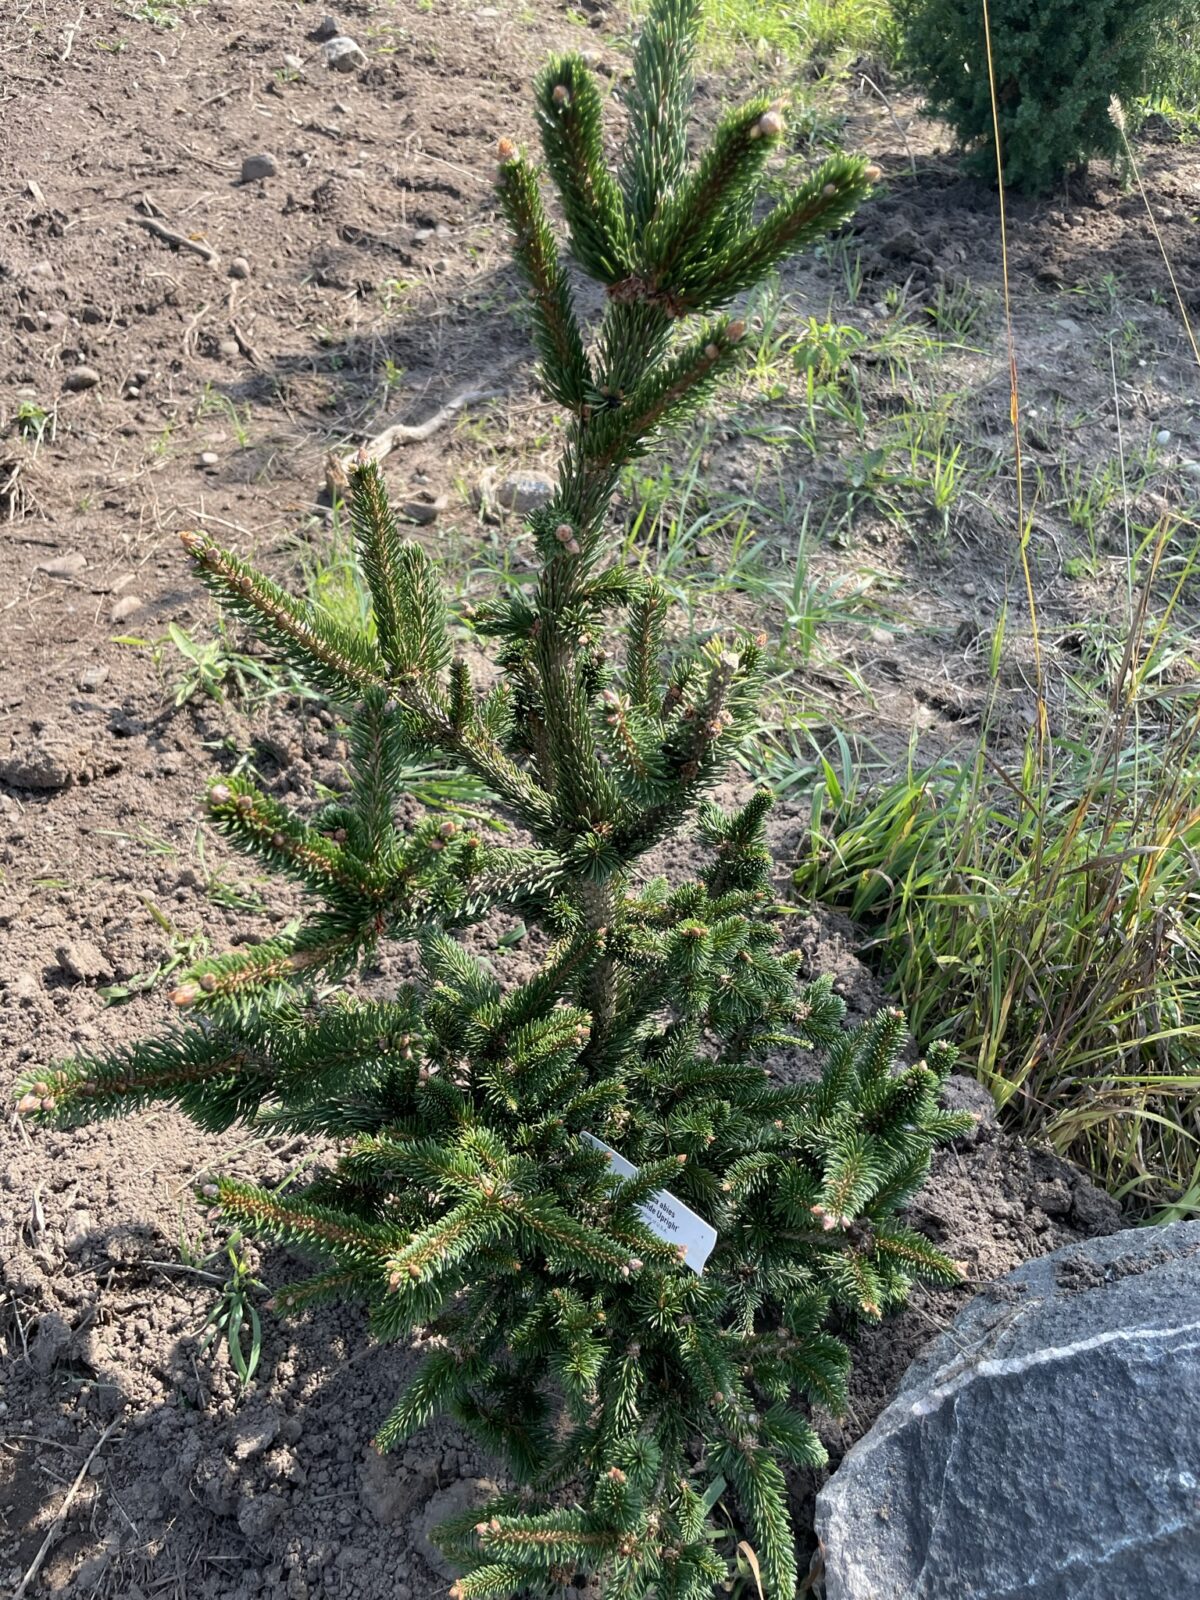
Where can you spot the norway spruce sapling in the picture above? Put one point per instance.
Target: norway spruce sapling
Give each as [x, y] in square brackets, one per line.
[625, 1390]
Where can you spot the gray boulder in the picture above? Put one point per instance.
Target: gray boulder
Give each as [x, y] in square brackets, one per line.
[1048, 1445]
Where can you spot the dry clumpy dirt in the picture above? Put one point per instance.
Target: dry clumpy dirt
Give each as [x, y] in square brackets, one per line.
[364, 279]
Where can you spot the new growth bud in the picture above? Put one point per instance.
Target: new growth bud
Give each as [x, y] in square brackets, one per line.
[565, 534]
[769, 126]
[561, 95]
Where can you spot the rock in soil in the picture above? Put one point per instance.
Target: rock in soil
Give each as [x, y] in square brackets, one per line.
[423, 510]
[93, 678]
[524, 492]
[79, 378]
[36, 765]
[464, 1495]
[1045, 1446]
[50, 1343]
[81, 960]
[343, 55]
[127, 606]
[260, 166]
[68, 566]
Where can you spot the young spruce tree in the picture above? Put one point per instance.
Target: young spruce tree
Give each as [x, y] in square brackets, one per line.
[625, 1389]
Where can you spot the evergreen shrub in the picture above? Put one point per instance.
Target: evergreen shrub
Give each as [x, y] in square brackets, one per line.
[1057, 63]
[626, 1384]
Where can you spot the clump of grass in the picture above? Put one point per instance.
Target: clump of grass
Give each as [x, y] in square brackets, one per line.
[1048, 917]
[823, 33]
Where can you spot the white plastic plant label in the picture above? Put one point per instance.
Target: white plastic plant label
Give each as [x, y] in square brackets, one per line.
[666, 1217]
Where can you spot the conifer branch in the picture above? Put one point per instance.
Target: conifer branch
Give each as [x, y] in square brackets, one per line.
[565, 373]
[334, 661]
[657, 106]
[570, 117]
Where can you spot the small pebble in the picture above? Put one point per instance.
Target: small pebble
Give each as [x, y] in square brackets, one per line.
[423, 510]
[228, 347]
[92, 678]
[293, 63]
[1163, 436]
[327, 29]
[79, 378]
[209, 458]
[68, 566]
[127, 606]
[239, 267]
[260, 166]
[82, 960]
[133, 392]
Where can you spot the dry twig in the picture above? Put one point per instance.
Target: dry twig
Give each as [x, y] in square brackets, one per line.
[179, 240]
[55, 1527]
[337, 467]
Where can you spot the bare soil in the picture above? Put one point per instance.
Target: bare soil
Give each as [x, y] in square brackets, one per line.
[372, 283]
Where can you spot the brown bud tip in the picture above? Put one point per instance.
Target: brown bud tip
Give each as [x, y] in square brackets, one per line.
[770, 125]
[362, 456]
[506, 150]
[572, 547]
[455, 1591]
[278, 840]
[494, 1525]
[561, 95]
[726, 1187]
[414, 1270]
[41, 1088]
[711, 351]
[244, 804]
[220, 794]
[718, 1398]
[271, 1305]
[210, 1191]
[394, 1280]
[208, 982]
[481, 1527]
[186, 994]
[448, 830]
[872, 173]
[635, 1264]
[617, 1475]
[193, 543]
[29, 1103]
[829, 191]
[734, 332]
[682, 1160]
